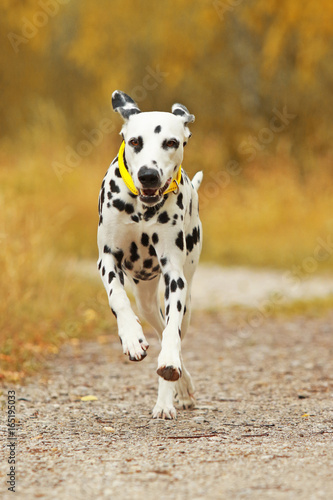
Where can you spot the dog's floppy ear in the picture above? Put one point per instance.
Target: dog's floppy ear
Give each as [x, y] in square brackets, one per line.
[184, 114]
[124, 104]
[182, 111]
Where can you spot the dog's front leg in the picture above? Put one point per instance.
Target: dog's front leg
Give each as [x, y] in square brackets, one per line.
[169, 360]
[169, 363]
[129, 329]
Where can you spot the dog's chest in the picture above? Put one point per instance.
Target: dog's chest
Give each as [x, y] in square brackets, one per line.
[139, 256]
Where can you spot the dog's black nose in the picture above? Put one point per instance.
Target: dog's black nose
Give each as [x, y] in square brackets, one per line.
[149, 177]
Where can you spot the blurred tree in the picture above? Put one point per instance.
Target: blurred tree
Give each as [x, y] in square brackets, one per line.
[231, 62]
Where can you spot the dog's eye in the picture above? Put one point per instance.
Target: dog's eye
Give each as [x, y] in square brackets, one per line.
[172, 143]
[134, 142]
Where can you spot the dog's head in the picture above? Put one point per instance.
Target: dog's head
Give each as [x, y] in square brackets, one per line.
[154, 144]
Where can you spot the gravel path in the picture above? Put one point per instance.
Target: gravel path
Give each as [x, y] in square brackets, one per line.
[262, 426]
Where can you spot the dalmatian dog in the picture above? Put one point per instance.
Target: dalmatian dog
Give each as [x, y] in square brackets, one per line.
[149, 229]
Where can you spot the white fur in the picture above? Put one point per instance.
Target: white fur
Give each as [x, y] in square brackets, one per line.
[152, 243]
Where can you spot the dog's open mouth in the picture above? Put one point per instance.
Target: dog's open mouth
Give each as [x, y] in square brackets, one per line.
[151, 196]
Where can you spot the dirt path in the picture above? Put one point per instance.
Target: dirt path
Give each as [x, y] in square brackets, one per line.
[262, 426]
[215, 286]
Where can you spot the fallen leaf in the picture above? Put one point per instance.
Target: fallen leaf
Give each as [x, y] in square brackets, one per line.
[305, 415]
[109, 429]
[89, 398]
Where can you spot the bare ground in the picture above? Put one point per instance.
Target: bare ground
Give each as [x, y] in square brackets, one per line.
[262, 426]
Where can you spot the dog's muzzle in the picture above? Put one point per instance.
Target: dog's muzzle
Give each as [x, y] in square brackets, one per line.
[151, 190]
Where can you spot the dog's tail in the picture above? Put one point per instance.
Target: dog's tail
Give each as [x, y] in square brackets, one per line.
[197, 179]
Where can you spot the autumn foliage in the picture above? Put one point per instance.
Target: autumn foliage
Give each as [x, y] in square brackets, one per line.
[257, 75]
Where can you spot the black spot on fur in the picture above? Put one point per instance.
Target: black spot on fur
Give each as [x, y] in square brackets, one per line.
[135, 281]
[195, 236]
[189, 242]
[145, 239]
[128, 265]
[163, 218]
[99, 265]
[112, 275]
[155, 238]
[179, 305]
[119, 204]
[158, 129]
[117, 172]
[173, 285]
[114, 312]
[179, 112]
[118, 255]
[190, 209]
[121, 277]
[167, 293]
[134, 252]
[180, 201]
[148, 263]
[114, 187]
[135, 218]
[109, 195]
[152, 251]
[166, 279]
[167, 310]
[149, 213]
[106, 249]
[180, 240]
[103, 271]
[101, 199]
[164, 260]
[129, 209]
[180, 283]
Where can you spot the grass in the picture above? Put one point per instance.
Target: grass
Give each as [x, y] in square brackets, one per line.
[268, 218]
[262, 217]
[42, 302]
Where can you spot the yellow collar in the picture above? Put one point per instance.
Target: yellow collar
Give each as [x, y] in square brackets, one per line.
[174, 185]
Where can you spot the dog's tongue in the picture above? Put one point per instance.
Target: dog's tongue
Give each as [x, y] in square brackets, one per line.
[149, 192]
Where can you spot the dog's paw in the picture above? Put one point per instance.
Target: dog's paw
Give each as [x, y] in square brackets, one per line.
[184, 394]
[134, 347]
[169, 373]
[164, 412]
[185, 402]
[168, 364]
